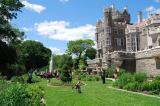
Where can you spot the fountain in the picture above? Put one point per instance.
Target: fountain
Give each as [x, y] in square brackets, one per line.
[51, 66]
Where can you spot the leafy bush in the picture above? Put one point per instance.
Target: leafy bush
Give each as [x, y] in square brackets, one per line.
[110, 71]
[155, 85]
[157, 78]
[121, 71]
[21, 95]
[140, 77]
[66, 76]
[124, 79]
[3, 85]
[18, 79]
[92, 78]
[14, 96]
[146, 86]
[82, 75]
[133, 86]
[35, 93]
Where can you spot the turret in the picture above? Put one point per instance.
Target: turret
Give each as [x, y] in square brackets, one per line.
[140, 17]
[108, 16]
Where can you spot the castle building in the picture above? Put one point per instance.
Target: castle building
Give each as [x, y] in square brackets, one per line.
[134, 47]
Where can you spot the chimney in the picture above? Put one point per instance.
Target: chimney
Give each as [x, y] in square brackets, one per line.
[139, 16]
[126, 8]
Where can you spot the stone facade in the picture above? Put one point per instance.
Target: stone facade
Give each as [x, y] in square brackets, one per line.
[132, 47]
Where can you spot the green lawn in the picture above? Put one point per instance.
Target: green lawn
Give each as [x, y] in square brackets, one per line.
[95, 94]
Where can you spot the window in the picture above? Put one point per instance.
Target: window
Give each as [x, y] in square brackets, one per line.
[157, 63]
[117, 41]
[115, 31]
[108, 42]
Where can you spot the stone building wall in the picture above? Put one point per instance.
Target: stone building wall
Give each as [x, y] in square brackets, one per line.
[147, 66]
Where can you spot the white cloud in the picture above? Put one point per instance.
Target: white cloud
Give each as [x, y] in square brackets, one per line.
[25, 29]
[33, 7]
[63, 0]
[150, 8]
[56, 51]
[62, 30]
[158, 1]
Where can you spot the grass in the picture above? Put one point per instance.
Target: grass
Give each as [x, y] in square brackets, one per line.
[95, 94]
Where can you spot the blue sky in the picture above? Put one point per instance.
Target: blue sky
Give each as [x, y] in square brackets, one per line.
[55, 22]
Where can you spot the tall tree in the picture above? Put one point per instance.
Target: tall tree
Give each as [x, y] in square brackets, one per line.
[9, 36]
[78, 48]
[34, 54]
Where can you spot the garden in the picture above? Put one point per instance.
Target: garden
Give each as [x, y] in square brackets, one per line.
[31, 75]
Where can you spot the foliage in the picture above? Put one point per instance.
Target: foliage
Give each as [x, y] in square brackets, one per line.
[61, 60]
[146, 86]
[110, 71]
[34, 54]
[79, 48]
[140, 77]
[132, 86]
[85, 77]
[9, 8]
[3, 85]
[9, 35]
[157, 78]
[121, 71]
[21, 95]
[92, 78]
[82, 75]
[19, 79]
[81, 65]
[35, 93]
[124, 79]
[66, 76]
[91, 53]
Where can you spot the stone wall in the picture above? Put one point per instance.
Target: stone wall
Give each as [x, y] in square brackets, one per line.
[147, 66]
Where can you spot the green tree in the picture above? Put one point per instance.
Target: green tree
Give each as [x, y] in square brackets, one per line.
[90, 53]
[79, 48]
[61, 61]
[34, 54]
[9, 35]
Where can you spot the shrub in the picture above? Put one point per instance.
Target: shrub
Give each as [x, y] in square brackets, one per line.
[133, 86]
[66, 76]
[21, 95]
[35, 93]
[155, 85]
[124, 79]
[110, 71]
[82, 75]
[157, 78]
[140, 77]
[146, 86]
[3, 85]
[18, 79]
[121, 71]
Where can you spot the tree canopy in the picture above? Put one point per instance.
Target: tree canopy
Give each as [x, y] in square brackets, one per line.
[79, 48]
[34, 54]
[90, 53]
[63, 62]
[9, 35]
